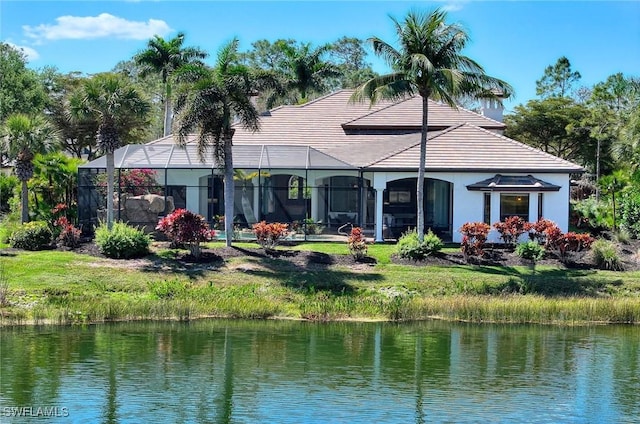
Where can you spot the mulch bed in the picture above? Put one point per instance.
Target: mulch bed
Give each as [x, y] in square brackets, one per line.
[494, 256]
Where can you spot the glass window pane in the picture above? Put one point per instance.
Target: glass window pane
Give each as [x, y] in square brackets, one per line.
[514, 205]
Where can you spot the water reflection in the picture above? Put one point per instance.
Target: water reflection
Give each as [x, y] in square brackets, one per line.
[236, 371]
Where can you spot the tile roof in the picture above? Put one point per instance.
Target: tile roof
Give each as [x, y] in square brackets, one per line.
[407, 114]
[387, 135]
[470, 148]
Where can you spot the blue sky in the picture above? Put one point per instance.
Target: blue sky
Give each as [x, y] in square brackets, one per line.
[513, 40]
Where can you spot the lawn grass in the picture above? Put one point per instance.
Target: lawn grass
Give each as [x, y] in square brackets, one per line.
[65, 287]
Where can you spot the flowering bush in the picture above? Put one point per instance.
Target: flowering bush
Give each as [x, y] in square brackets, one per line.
[185, 227]
[511, 229]
[474, 237]
[357, 243]
[135, 182]
[270, 235]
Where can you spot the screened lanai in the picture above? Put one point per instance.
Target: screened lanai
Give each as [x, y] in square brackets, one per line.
[315, 193]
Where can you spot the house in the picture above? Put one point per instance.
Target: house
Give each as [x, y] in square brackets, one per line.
[338, 163]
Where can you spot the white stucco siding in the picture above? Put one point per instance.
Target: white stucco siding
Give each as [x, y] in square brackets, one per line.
[468, 206]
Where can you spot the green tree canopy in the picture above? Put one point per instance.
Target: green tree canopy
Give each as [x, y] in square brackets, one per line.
[558, 80]
[20, 88]
[554, 125]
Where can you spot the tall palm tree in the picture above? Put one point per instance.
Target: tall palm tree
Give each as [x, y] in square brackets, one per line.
[119, 109]
[302, 73]
[163, 57]
[429, 62]
[23, 137]
[209, 106]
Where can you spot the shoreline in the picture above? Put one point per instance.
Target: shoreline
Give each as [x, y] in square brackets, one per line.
[63, 288]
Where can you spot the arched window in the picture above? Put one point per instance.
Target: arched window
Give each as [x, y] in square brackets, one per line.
[297, 188]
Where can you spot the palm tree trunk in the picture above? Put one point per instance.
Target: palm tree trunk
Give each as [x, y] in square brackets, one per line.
[110, 173]
[25, 202]
[229, 189]
[167, 111]
[423, 160]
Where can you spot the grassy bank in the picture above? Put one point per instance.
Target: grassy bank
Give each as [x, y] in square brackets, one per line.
[65, 287]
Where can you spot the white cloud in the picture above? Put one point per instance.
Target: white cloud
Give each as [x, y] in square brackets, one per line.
[103, 25]
[452, 7]
[30, 53]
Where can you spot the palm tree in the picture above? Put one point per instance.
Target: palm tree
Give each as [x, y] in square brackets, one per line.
[303, 73]
[23, 137]
[209, 106]
[119, 109]
[163, 57]
[429, 62]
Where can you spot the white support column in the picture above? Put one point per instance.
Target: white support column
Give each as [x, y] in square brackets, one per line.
[315, 199]
[495, 207]
[256, 198]
[379, 222]
[193, 199]
[533, 207]
[494, 215]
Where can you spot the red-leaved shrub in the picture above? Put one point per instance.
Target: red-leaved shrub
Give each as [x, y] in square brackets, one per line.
[474, 237]
[357, 243]
[270, 235]
[511, 229]
[538, 231]
[69, 235]
[185, 227]
[563, 243]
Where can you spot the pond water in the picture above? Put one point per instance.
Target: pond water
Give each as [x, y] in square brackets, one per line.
[218, 371]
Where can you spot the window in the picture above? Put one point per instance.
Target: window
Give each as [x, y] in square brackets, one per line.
[397, 196]
[298, 188]
[539, 206]
[487, 208]
[344, 194]
[179, 194]
[514, 205]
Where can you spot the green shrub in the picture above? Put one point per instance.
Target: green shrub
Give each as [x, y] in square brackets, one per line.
[593, 215]
[605, 255]
[308, 226]
[122, 241]
[8, 186]
[530, 250]
[410, 247]
[34, 235]
[630, 212]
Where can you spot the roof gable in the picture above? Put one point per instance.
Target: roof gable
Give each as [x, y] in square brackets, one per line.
[407, 114]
